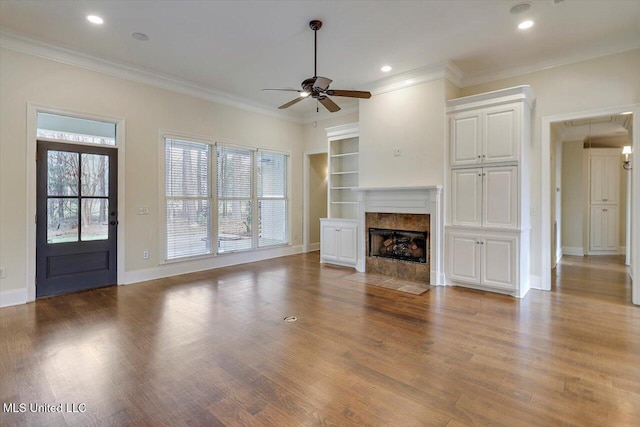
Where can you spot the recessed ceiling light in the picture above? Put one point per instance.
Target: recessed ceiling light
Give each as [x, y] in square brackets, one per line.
[140, 36]
[386, 68]
[519, 8]
[94, 19]
[525, 24]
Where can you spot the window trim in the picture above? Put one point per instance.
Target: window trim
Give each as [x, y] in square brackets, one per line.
[213, 196]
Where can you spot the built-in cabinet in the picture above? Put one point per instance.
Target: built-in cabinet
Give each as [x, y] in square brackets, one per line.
[339, 233]
[604, 199]
[487, 226]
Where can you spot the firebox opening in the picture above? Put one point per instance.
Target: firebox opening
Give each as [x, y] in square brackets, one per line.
[398, 244]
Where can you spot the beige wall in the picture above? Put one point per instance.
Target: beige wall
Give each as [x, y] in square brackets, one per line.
[146, 109]
[315, 134]
[317, 194]
[572, 194]
[608, 81]
[413, 120]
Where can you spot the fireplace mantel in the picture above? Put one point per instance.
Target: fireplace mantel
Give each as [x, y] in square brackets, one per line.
[411, 200]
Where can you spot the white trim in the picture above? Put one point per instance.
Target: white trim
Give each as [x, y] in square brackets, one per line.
[534, 282]
[13, 297]
[573, 250]
[31, 171]
[545, 175]
[306, 197]
[313, 247]
[223, 260]
[20, 43]
[447, 70]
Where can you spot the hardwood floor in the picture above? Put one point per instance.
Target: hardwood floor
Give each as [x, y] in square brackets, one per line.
[211, 348]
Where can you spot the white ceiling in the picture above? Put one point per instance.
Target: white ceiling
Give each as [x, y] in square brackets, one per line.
[238, 47]
[615, 129]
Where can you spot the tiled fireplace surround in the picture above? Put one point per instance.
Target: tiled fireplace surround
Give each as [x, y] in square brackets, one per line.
[402, 208]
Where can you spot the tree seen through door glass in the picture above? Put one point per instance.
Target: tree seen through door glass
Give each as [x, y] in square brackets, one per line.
[62, 220]
[63, 168]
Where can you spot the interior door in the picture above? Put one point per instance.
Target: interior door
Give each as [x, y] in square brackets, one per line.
[77, 209]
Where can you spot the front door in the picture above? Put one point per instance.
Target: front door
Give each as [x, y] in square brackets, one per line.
[76, 218]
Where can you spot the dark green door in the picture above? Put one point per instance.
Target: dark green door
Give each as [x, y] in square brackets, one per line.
[77, 218]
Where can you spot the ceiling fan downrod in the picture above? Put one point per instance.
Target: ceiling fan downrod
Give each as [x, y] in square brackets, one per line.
[315, 25]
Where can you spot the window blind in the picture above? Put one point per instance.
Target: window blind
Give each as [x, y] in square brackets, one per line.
[187, 183]
[234, 190]
[272, 198]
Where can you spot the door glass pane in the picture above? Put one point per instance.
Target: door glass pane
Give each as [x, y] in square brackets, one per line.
[234, 225]
[62, 176]
[95, 219]
[62, 220]
[95, 175]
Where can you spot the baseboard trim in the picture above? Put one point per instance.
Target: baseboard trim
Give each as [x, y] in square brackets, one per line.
[314, 247]
[535, 282]
[573, 250]
[13, 297]
[227, 260]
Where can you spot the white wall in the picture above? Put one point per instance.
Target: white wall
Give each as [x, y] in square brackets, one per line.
[608, 81]
[146, 109]
[413, 120]
[314, 133]
[572, 196]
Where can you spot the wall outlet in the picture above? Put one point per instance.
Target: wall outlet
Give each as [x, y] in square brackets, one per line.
[397, 152]
[143, 210]
[145, 254]
[2, 273]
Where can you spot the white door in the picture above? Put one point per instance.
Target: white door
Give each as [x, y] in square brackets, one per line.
[499, 262]
[611, 176]
[465, 139]
[500, 197]
[466, 197]
[596, 229]
[610, 228]
[464, 258]
[347, 251]
[329, 243]
[501, 127]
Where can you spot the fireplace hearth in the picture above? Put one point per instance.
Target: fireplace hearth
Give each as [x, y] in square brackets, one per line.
[404, 245]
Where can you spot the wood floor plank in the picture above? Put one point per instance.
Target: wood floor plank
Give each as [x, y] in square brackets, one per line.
[211, 348]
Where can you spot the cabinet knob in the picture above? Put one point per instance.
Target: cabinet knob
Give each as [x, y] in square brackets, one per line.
[604, 200]
[483, 156]
[604, 210]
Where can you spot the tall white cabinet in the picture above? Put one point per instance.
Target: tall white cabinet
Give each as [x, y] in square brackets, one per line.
[604, 201]
[487, 227]
[339, 232]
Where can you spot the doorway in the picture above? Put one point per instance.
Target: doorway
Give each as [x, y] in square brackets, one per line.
[315, 197]
[583, 158]
[76, 229]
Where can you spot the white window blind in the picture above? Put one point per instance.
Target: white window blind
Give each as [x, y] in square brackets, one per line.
[272, 198]
[234, 191]
[188, 207]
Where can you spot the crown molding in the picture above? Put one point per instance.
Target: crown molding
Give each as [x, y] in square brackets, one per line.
[492, 76]
[447, 70]
[20, 43]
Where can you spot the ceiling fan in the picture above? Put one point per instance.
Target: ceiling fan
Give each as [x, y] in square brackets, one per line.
[317, 87]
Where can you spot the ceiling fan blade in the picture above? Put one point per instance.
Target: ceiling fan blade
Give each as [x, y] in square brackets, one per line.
[321, 83]
[287, 90]
[349, 93]
[290, 103]
[329, 104]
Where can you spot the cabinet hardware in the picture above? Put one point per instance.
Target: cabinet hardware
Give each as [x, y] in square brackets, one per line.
[604, 210]
[483, 156]
[604, 200]
[478, 156]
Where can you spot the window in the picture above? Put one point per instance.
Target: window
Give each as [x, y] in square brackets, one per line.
[74, 129]
[188, 197]
[234, 197]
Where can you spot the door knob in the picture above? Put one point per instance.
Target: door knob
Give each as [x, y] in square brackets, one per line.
[113, 222]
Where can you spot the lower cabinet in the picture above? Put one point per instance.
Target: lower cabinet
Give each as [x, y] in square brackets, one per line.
[604, 230]
[483, 260]
[339, 241]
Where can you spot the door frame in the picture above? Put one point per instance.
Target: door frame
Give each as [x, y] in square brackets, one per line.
[545, 176]
[306, 196]
[31, 145]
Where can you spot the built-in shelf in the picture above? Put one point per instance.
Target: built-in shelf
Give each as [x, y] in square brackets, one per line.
[335, 156]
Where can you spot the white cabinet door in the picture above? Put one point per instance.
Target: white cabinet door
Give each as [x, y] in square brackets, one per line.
[465, 139]
[500, 142]
[498, 262]
[466, 197]
[500, 197]
[464, 258]
[611, 176]
[329, 243]
[610, 228]
[597, 169]
[596, 230]
[347, 244]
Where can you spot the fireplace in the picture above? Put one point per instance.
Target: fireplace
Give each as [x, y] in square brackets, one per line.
[404, 245]
[397, 245]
